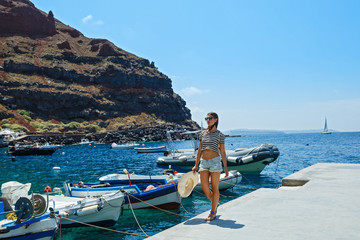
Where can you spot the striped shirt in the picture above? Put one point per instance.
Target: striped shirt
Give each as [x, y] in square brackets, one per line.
[210, 140]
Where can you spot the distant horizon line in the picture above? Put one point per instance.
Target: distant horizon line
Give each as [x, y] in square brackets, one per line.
[284, 131]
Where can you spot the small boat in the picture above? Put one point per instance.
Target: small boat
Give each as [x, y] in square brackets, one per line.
[37, 227]
[225, 183]
[171, 176]
[326, 130]
[150, 149]
[101, 210]
[244, 160]
[7, 136]
[34, 149]
[25, 219]
[142, 194]
[124, 146]
[85, 141]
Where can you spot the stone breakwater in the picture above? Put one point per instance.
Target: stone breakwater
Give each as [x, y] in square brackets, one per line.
[143, 134]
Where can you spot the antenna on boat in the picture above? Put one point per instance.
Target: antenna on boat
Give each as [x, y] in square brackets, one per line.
[126, 172]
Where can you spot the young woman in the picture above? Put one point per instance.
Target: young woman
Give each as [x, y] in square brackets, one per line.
[210, 153]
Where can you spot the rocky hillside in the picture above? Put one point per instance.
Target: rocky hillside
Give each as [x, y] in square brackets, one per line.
[52, 75]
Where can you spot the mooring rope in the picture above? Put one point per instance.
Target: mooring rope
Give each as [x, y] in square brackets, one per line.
[135, 216]
[107, 229]
[277, 165]
[179, 199]
[157, 207]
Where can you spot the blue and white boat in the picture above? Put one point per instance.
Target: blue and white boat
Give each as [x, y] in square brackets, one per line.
[25, 224]
[141, 194]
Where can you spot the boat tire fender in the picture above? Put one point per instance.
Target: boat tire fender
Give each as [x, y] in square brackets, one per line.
[236, 160]
[247, 159]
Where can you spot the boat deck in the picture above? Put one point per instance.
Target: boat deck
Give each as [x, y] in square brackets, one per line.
[318, 202]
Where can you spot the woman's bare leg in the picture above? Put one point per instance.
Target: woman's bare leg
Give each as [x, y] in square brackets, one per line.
[204, 178]
[215, 178]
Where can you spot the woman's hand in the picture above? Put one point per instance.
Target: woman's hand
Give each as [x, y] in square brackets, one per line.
[194, 169]
[226, 172]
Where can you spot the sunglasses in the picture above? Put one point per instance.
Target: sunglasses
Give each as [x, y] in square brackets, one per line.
[209, 118]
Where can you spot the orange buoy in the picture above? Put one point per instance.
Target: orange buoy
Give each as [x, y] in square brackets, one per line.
[47, 189]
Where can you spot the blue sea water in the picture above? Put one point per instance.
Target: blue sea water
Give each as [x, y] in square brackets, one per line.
[88, 163]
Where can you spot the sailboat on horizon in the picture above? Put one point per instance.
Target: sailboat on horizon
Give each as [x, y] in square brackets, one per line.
[326, 130]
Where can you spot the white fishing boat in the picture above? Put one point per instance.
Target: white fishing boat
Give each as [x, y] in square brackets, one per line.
[21, 218]
[150, 149]
[41, 227]
[101, 210]
[124, 146]
[326, 130]
[85, 141]
[7, 135]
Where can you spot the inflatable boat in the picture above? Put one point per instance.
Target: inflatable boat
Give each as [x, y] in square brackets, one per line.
[244, 160]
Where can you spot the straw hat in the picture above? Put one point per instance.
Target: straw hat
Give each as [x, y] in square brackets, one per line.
[187, 183]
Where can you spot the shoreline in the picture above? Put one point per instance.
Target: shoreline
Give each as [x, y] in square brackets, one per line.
[142, 134]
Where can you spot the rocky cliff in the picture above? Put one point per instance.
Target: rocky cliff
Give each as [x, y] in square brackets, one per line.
[54, 73]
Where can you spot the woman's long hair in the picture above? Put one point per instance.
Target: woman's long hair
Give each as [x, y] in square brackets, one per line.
[214, 115]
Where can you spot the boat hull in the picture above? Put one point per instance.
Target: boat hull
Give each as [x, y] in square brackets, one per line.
[151, 149]
[28, 152]
[103, 211]
[250, 168]
[164, 196]
[43, 227]
[248, 161]
[124, 146]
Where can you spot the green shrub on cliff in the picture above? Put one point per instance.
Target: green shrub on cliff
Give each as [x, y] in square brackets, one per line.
[92, 128]
[15, 127]
[24, 113]
[45, 126]
[73, 126]
[5, 121]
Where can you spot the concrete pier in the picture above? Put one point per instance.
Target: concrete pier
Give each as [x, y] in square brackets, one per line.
[319, 202]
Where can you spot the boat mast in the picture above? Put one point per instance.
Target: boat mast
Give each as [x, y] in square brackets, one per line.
[325, 127]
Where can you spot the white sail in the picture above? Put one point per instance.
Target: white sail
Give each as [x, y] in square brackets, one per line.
[326, 130]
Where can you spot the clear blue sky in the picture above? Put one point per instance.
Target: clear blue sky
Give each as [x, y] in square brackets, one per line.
[281, 65]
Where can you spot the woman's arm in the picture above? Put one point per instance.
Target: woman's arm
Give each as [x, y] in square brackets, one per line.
[198, 156]
[223, 157]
